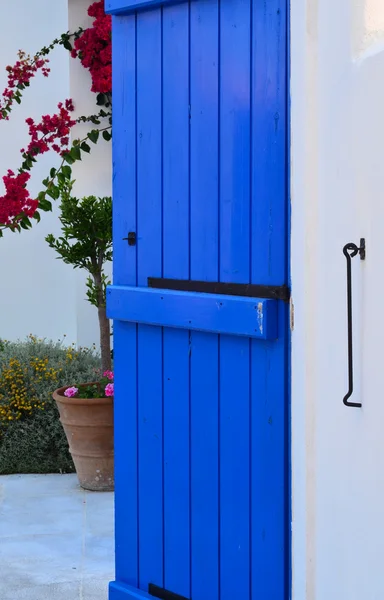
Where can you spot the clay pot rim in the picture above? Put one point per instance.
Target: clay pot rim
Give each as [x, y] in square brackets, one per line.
[58, 395]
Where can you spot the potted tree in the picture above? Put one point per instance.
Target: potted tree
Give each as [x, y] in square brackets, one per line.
[86, 409]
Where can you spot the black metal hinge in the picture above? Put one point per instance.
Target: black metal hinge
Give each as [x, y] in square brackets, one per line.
[158, 592]
[250, 290]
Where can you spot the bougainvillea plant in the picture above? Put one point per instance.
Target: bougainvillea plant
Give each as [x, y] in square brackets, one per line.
[92, 47]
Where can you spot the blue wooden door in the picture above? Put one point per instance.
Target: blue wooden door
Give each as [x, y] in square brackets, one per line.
[199, 142]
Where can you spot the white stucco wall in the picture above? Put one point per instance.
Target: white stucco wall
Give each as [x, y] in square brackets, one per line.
[94, 174]
[337, 89]
[39, 293]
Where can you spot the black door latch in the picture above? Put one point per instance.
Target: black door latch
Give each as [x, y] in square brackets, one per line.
[131, 238]
[349, 251]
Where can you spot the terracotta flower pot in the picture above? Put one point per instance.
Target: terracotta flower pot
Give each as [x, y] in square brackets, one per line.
[88, 425]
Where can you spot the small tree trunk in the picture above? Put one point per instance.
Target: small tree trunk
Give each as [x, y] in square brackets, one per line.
[104, 326]
[105, 339]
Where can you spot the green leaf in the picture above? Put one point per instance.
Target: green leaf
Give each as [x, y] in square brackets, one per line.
[75, 153]
[85, 148]
[67, 172]
[107, 136]
[68, 158]
[101, 99]
[36, 216]
[25, 223]
[94, 135]
[67, 45]
[52, 173]
[54, 192]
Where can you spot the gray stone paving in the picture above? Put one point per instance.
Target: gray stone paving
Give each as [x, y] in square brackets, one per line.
[56, 540]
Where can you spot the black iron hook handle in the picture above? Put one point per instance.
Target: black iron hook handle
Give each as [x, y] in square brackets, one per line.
[350, 250]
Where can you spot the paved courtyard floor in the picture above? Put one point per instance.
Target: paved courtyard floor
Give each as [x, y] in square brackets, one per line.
[56, 540]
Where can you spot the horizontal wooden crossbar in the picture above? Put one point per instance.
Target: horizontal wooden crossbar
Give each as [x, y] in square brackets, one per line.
[215, 313]
[118, 7]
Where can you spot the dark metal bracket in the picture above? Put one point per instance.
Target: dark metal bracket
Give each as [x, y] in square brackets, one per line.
[158, 592]
[250, 290]
[350, 251]
[131, 238]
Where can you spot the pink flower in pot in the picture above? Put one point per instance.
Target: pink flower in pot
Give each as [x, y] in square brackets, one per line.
[71, 392]
[109, 389]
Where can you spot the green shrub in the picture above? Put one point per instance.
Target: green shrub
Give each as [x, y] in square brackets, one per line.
[32, 439]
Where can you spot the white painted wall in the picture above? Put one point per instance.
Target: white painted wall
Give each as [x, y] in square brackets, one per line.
[337, 88]
[94, 174]
[39, 293]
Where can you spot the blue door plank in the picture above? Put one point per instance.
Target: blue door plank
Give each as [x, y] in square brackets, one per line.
[268, 251]
[124, 175]
[176, 462]
[234, 266]
[126, 475]
[150, 342]
[268, 480]
[269, 207]
[204, 467]
[204, 68]
[234, 468]
[176, 264]
[124, 271]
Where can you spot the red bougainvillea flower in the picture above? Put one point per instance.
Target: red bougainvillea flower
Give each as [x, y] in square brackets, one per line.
[19, 77]
[52, 133]
[94, 49]
[16, 203]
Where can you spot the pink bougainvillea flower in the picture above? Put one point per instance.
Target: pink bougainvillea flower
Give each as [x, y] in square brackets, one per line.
[108, 375]
[71, 392]
[109, 389]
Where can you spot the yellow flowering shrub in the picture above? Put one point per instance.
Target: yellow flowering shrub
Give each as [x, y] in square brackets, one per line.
[16, 399]
[31, 436]
[18, 396]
